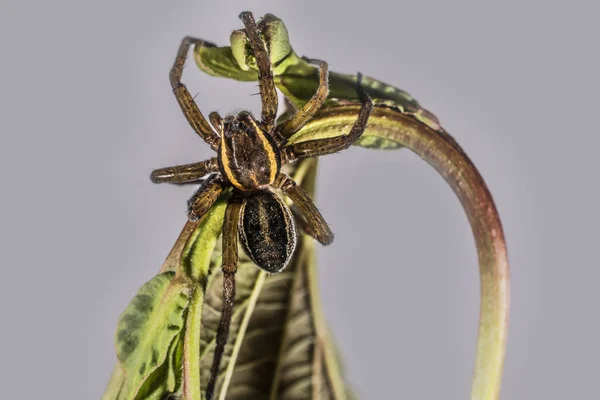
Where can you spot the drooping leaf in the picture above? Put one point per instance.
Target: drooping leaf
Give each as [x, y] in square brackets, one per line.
[147, 328]
[149, 347]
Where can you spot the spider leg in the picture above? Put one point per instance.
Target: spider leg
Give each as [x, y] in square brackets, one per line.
[206, 195]
[302, 222]
[308, 111]
[314, 221]
[196, 182]
[268, 94]
[183, 174]
[229, 268]
[185, 99]
[321, 147]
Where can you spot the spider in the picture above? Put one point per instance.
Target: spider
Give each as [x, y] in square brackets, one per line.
[249, 158]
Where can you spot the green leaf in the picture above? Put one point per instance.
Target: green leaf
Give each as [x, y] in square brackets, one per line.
[147, 328]
[167, 377]
[150, 340]
[219, 61]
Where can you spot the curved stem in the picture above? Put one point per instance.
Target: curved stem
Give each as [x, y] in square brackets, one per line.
[442, 152]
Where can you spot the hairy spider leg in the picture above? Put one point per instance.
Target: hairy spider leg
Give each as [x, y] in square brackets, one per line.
[321, 147]
[185, 99]
[301, 221]
[308, 111]
[268, 94]
[317, 226]
[184, 174]
[204, 198]
[229, 268]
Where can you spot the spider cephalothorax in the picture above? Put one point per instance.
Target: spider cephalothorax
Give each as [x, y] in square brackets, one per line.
[250, 155]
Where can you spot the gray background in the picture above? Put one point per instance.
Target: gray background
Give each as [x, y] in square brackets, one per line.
[87, 112]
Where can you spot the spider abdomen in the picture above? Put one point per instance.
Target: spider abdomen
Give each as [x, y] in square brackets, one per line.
[267, 230]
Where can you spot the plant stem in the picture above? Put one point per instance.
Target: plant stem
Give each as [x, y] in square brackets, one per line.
[115, 384]
[191, 347]
[194, 264]
[442, 152]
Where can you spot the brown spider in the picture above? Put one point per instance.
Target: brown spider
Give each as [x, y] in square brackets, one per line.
[249, 159]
